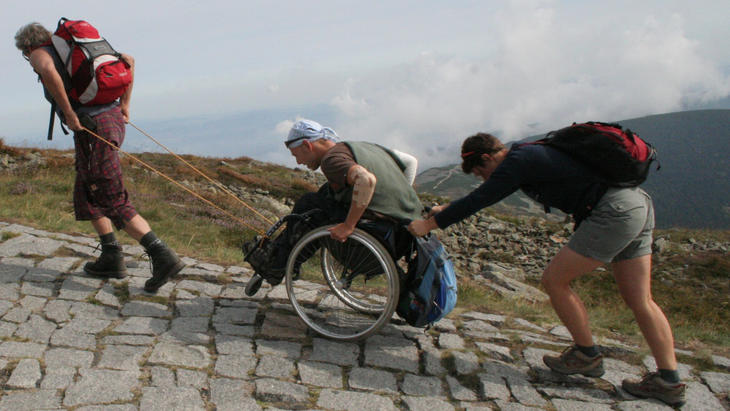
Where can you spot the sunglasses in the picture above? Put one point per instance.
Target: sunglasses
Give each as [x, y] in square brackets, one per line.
[26, 55]
[290, 142]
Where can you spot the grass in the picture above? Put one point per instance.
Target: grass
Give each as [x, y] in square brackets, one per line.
[42, 197]
[695, 296]
[8, 235]
[695, 305]
[121, 291]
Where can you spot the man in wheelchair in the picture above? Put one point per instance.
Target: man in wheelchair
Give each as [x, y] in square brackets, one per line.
[365, 181]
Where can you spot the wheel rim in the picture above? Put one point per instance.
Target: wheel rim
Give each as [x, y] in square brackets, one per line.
[347, 291]
[343, 288]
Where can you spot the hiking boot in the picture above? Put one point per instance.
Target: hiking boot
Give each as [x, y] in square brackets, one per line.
[249, 246]
[572, 361]
[260, 261]
[275, 276]
[110, 263]
[260, 257]
[165, 264]
[652, 385]
[255, 252]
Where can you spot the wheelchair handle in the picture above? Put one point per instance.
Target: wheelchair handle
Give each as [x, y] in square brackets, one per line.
[406, 221]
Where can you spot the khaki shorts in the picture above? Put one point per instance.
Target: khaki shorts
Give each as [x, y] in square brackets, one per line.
[619, 228]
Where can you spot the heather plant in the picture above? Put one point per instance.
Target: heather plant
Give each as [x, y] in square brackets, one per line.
[20, 188]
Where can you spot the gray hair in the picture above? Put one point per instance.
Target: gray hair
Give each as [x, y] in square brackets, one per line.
[31, 36]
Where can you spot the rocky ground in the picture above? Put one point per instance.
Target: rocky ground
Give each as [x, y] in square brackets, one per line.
[72, 342]
[507, 257]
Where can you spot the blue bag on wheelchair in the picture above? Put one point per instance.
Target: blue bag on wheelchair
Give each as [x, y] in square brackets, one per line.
[429, 292]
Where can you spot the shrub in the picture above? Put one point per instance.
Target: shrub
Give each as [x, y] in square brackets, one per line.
[247, 179]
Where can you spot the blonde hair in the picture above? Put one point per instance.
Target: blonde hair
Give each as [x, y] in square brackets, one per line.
[31, 36]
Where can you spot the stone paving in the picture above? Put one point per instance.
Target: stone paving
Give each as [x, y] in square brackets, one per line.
[72, 342]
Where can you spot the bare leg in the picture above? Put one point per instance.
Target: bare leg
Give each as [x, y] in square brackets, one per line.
[102, 226]
[564, 268]
[634, 283]
[137, 227]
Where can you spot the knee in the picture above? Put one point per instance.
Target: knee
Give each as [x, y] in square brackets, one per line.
[637, 304]
[550, 282]
[306, 202]
[309, 198]
[555, 281]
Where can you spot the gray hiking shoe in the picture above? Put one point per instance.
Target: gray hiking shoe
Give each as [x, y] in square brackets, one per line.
[572, 361]
[652, 385]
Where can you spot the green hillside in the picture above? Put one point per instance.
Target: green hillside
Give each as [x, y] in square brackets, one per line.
[692, 188]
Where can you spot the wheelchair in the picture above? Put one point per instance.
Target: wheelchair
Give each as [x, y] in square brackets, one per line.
[344, 291]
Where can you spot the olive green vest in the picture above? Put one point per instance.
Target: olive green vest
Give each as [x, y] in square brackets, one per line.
[393, 196]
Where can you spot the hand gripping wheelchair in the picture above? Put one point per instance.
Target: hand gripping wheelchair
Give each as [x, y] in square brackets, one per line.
[345, 291]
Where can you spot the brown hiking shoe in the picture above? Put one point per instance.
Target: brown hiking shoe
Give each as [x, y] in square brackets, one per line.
[572, 361]
[652, 385]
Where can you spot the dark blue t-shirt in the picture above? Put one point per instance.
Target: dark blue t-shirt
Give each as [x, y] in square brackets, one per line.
[545, 174]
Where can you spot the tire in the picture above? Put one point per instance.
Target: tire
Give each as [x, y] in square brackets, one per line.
[345, 291]
[253, 285]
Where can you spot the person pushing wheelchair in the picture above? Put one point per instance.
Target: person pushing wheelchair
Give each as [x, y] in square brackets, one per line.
[364, 180]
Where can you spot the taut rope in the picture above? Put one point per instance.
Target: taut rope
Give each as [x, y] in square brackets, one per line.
[182, 186]
[219, 185]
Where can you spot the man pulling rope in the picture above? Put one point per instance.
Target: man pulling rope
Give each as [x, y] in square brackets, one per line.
[99, 192]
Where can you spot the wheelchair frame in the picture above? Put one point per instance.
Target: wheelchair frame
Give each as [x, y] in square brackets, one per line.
[345, 291]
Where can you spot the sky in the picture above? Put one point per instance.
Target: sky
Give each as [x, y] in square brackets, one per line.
[229, 77]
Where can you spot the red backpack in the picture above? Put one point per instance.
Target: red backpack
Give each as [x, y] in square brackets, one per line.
[619, 156]
[99, 75]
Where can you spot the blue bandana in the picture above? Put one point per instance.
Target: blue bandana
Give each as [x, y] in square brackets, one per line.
[308, 130]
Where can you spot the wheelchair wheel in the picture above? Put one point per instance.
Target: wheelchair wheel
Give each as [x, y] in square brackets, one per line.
[344, 291]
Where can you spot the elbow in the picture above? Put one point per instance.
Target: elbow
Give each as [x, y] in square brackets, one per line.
[129, 59]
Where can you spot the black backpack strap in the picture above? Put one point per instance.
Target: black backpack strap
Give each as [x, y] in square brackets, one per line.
[589, 203]
[51, 121]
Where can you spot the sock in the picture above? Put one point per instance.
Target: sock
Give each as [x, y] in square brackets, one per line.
[149, 240]
[670, 376]
[108, 239]
[590, 352]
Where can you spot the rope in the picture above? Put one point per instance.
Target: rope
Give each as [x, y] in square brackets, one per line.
[259, 231]
[219, 185]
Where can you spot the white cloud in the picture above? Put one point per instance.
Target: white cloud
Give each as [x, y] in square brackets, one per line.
[542, 77]
[418, 76]
[284, 127]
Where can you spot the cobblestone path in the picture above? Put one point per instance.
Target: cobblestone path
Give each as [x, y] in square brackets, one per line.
[72, 342]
